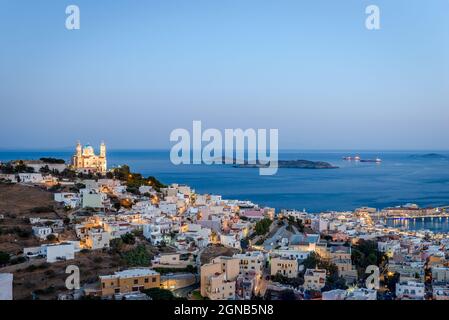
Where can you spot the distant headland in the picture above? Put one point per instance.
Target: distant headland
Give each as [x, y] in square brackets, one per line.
[291, 164]
[429, 156]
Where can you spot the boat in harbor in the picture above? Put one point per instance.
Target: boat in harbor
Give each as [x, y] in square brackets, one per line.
[377, 160]
[349, 158]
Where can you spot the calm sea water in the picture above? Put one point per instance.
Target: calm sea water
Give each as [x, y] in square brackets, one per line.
[401, 178]
[440, 225]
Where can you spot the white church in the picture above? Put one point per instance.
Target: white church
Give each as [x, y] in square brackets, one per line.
[86, 161]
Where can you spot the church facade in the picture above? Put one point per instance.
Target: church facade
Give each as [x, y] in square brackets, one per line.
[85, 160]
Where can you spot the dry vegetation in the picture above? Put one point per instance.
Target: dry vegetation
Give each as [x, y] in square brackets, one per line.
[17, 204]
[215, 251]
[46, 279]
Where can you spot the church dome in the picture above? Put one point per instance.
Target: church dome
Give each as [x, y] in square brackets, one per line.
[88, 150]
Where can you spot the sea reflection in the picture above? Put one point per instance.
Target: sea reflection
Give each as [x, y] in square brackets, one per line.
[435, 224]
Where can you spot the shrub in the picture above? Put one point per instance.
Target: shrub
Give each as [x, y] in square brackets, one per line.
[23, 233]
[42, 209]
[138, 256]
[50, 273]
[52, 160]
[4, 257]
[31, 268]
[98, 260]
[129, 238]
[263, 226]
[51, 237]
[159, 294]
[18, 260]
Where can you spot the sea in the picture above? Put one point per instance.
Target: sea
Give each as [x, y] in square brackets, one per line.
[434, 224]
[420, 177]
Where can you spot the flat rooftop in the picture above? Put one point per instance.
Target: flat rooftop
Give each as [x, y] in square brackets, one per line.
[131, 273]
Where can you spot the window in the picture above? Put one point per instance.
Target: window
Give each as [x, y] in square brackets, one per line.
[104, 285]
[117, 290]
[153, 279]
[146, 280]
[136, 281]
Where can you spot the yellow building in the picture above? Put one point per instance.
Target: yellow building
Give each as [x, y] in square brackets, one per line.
[85, 160]
[127, 281]
[284, 266]
[218, 278]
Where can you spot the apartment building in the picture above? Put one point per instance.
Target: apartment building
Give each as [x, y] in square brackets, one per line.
[284, 266]
[410, 290]
[127, 281]
[218, 278]
[315, 279]
[250, 262]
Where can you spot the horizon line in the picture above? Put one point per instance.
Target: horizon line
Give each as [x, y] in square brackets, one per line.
[64, 149]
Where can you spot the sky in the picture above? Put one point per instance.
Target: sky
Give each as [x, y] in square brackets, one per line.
[136, 70]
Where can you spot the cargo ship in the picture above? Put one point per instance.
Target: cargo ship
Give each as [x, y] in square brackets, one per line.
[357, 158]
[377, 160]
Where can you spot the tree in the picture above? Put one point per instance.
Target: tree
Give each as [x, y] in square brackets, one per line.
[287, 295]
[68, 174]
[300, 225]
[137, 257]
[129, 238]
[45, 169]
[7, 168]
[263, 226]
[365, 253]
[159, 294]
[391, 280]
[52, 160]
[191, 269]
[4, 258]
[116, 245]
[21, 167]
[117, 206]
[51, 237]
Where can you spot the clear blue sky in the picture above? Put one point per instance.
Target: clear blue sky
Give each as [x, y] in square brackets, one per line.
[138, 69]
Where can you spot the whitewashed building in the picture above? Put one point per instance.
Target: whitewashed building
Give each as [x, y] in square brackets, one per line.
[6, 286]
[410, 290]
[42, 232]
[31, 177]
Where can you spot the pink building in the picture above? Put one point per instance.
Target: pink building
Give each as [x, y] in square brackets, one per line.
[253, 214]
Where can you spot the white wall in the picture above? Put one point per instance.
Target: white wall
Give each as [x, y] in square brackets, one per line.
[6, 286]
[66, 251]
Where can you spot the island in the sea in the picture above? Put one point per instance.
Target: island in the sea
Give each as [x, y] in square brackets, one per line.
[429, 156]
[291, 164]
